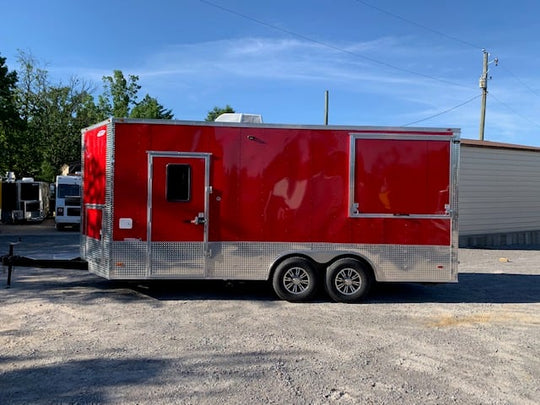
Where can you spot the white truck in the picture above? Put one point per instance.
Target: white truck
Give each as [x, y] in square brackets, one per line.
[68, 202]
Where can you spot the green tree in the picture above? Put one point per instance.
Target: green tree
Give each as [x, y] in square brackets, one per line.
[8, 83]
[88, 113]
[10, 123]
[29, 140]
[149, 107]
[217, 111]
[40, 122]
[69, 108]
[119, 95]
[54, 115]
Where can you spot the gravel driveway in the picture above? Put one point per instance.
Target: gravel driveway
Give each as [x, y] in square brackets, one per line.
[67, 336]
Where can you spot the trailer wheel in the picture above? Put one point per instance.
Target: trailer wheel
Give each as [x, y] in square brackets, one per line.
[347, 280]
[295, 279]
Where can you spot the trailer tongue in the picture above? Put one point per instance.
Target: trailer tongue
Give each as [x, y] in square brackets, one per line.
[11, 260]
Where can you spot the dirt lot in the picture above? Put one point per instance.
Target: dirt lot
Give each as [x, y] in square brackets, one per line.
[67, 336]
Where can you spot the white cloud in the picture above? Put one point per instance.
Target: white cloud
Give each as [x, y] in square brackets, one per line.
[201, 73]
[283, 59]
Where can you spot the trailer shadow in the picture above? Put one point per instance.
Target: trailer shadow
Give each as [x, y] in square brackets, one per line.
[173, 290]
[472, 288]
[81, 286]
[58, 285]
[55, 283]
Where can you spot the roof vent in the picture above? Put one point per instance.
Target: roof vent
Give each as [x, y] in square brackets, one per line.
[240, 117]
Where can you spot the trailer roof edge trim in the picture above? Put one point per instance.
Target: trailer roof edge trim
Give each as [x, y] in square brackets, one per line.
[377, 129]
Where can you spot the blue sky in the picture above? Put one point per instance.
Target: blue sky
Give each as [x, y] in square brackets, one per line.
[384, 62]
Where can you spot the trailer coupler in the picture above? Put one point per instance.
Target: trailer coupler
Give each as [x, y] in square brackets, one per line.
[11, 260]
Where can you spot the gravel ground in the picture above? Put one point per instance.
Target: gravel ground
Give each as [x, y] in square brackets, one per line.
[67, 336]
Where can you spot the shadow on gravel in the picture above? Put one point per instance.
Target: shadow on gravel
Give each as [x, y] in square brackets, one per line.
[75, 382]
[79, 285]
[102, 380]
[472, 288]
[56, 285]
[206, 290]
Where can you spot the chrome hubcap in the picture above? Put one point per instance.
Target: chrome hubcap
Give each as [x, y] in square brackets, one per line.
[348, 281]
[296, 280]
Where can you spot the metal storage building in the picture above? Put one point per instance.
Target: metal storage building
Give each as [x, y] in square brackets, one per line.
[499, 194]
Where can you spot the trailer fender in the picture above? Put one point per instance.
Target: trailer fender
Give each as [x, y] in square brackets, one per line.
[319, 267]
[322, 260]
[368, 264]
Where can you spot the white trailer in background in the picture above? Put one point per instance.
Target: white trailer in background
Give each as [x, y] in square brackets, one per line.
[68, 202]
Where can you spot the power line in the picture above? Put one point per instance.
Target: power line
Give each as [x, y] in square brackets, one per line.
[522, 82]
[330, 46]
[443, 112]
[442, 34]
[467, 43]
[514, 111]
[378, 62]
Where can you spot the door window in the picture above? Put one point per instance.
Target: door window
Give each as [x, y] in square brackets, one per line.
[178, 182]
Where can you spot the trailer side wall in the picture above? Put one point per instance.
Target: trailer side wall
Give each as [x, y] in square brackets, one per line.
[260, 193]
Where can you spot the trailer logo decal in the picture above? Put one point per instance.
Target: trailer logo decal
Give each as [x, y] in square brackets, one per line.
[101, 133]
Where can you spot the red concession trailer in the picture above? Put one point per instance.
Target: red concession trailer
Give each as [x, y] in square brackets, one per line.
[304, 207]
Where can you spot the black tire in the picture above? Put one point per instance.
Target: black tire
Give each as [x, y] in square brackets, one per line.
[348, 280]
[295, 279]
[60, 227]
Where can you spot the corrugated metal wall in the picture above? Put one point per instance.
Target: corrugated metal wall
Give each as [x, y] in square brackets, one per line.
[499, 194]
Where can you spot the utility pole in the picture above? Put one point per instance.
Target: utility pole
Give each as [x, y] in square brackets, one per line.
[326, 107]
[483, 86]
